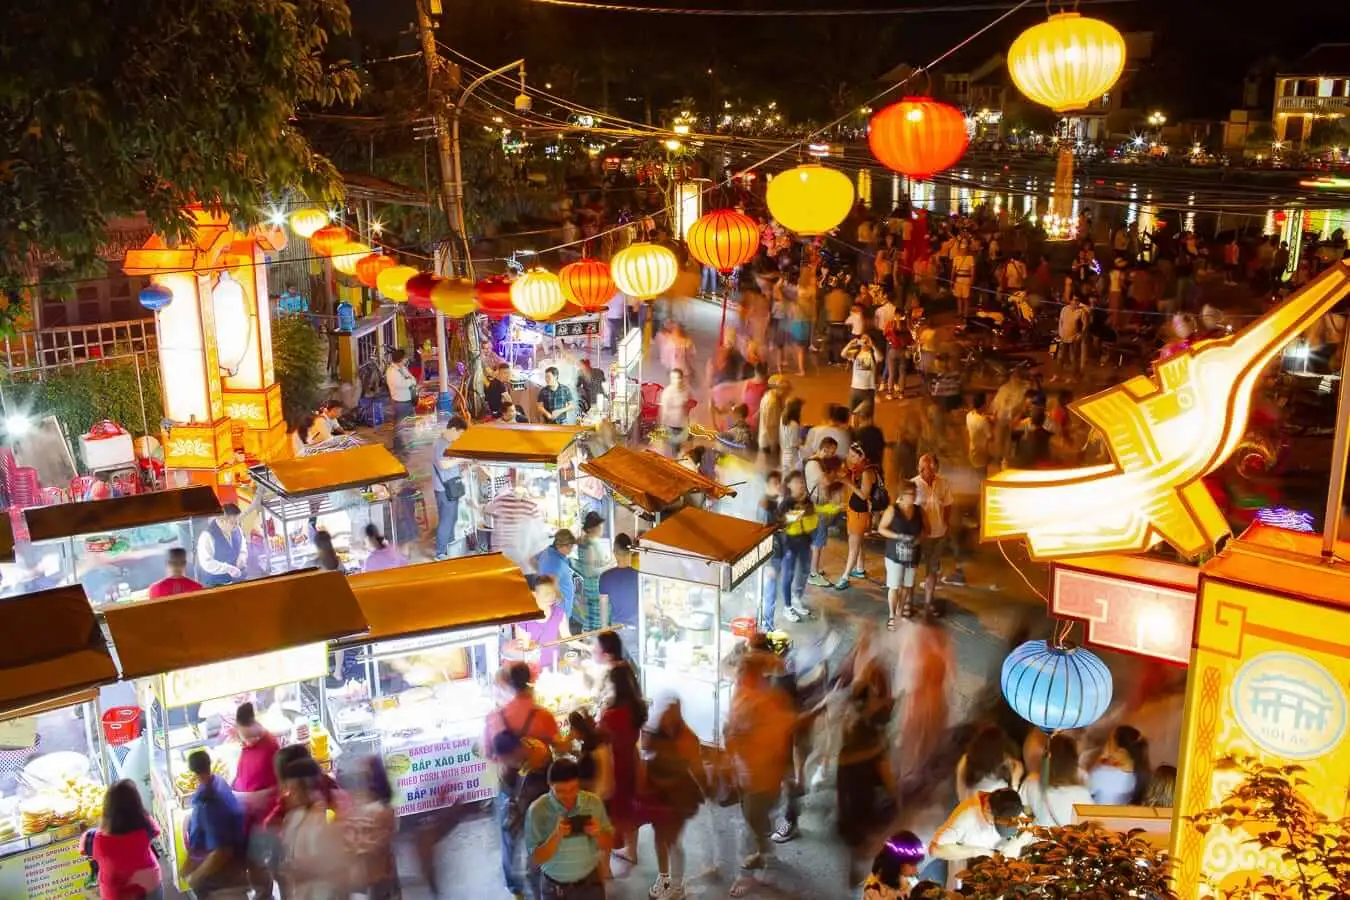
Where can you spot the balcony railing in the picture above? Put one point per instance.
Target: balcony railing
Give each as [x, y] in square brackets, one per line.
[70, 345]
[1313, 104]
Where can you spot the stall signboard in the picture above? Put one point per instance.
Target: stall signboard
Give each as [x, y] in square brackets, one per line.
[581, 326]
[250, 673]
[1122, 614]
[438, 774]
[56, 871]
[738, 570]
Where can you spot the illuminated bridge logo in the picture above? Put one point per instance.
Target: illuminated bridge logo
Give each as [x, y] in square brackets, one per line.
[1289, 705]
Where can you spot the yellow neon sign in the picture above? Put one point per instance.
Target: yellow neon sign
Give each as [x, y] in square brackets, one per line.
[1165, 433]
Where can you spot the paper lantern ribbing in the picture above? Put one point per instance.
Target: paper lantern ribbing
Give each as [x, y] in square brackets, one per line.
[305, 222]
[369, 267]
[327, 239]
[644, 271]
[810, 199]
[419, 288]
[346, 256]
[493, 295]
[918, 137]
[587, 283]
[1056, 688]
[155, 297]
[537, 294]
[393, 282]
[1067, 62]
[453, 297]
[724, 239]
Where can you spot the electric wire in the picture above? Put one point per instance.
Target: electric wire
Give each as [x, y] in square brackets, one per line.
[781, 13]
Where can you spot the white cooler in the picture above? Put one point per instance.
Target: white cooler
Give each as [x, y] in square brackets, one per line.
[107, 453]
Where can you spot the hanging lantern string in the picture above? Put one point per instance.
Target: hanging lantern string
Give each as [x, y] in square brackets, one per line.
[1018, 569]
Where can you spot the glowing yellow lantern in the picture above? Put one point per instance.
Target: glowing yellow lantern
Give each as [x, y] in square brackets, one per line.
[453, 297]
[537, 294]
[810, 199]
[644, 271]
[1067, 62]
[393, 283]
[305, 222]
[346, 256]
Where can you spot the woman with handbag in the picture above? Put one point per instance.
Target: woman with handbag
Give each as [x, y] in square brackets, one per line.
[670, 790]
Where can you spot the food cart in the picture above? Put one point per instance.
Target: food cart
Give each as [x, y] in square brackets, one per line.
[417, 688]
[195, 657]
[114, 548]
[537, 462]
[647, 484]
[701, 583]
[52, 777]
[338, 491]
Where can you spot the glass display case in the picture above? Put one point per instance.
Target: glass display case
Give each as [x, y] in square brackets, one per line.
[701, 585]
[114, 548]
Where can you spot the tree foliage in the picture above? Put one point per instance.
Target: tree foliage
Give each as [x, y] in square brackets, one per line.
[85, 393]
[1086, 862]
[108, 109]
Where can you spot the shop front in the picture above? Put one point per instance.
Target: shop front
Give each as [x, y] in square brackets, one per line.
[195, 657]
[52, 768]
[338, 491]
[115, 549]
[417, 688]
[701, 586]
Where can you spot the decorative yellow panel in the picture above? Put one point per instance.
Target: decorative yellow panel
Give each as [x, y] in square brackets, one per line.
[248, 407]
[198, 446]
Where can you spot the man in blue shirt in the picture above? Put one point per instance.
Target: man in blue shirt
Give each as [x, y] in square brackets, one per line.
[568, 833]
[553, 561]
[216, 857]
[619, 587]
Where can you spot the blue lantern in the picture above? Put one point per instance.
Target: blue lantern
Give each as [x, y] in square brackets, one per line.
[156, 297]
[1056, 688]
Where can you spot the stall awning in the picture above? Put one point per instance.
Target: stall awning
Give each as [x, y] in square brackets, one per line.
[516, 443]
[65, 520]
[54, 648]
[323, 473]
[707, 535]
[186, 630]
[466, 592]
[652, 481]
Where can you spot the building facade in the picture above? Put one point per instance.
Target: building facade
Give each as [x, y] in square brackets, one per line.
[1316, 87]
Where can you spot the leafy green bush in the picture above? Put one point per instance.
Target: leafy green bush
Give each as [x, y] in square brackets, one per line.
[300, 356]
[84, 394]
[1084, 862]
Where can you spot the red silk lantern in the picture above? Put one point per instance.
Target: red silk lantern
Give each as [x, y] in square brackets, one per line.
[419, 288]
[918, 137]
[494, 295]
[587, 283]
[368, 268]
[724, 239]
[327, 239]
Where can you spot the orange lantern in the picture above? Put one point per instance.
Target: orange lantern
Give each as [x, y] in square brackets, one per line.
[419, 288]
[453, 297]
[537, 294]
[493, 294]
[305, 222]
[587, 283]
[368, 268]
[327, 239]
[918, 137]
[724, 239]
[393, 282]
[644, 271]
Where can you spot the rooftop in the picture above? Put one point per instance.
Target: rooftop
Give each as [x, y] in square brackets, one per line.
[1324, 59]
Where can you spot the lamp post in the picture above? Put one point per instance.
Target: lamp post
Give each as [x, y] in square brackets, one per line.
[457, 192]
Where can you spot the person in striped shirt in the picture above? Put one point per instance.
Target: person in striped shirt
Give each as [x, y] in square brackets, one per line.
[510, 512]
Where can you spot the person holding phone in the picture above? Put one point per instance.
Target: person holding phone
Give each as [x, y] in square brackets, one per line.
[568, 834]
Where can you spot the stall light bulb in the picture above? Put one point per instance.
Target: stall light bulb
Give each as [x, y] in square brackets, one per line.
[17, 425]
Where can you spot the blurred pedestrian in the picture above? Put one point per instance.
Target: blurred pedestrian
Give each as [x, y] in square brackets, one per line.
[370, 834]
[670, 790]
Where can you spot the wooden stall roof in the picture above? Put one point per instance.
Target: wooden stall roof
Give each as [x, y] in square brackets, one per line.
[337, 470]
[66, 520]
[466, 592]
[652, 481]
[55, 648]
[1275, 559]
[515, 443]
[1150, 570]
[707, 535]
[152, 637]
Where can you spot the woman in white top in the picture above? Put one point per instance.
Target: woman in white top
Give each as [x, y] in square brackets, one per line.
[863, 386]
[790, 436]
[1052, 792]
[988, 764]
[1120, 776]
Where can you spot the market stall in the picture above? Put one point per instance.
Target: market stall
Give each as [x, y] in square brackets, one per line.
[338, 491]
[195, 657]
[417, 687]
[115, 548]
[647, 484]
[701, 585]
[52, 774]
[536, 464]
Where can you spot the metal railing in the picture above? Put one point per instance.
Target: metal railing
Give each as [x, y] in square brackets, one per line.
[1313, 104]
[72, 345]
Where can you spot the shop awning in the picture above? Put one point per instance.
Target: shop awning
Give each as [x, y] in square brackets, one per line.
[54, 649]
[65, 520]
[467, 592]
[323, 473]
[707, 535]
[652, 481]
[186, 630]
[516, 443]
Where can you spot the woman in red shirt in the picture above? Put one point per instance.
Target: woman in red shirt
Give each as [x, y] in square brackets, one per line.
[624, 714]
[121, 847]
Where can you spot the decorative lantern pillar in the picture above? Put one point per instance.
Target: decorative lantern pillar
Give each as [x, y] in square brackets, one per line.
[215, 347]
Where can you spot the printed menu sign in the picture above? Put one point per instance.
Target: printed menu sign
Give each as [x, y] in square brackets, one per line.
[439, 774]
[54, 872]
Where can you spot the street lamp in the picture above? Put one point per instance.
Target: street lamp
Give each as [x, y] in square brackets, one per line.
[1157, 120]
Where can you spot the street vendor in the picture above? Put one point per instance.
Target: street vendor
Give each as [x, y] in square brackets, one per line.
[222, 551]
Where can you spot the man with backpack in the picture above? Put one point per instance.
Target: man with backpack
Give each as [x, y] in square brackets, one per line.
[520, 737]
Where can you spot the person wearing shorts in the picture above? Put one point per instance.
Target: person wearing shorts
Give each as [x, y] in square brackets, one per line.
[862, 476]
[902, 526]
